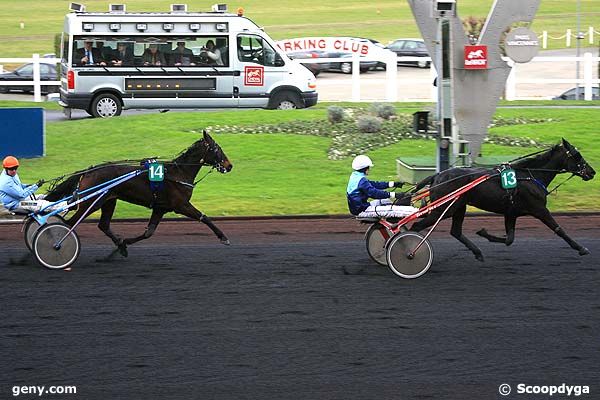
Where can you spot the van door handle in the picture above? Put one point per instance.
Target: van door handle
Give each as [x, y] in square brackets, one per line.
[237, 73]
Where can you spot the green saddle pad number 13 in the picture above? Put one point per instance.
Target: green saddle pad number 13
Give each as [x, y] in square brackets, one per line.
[156, 172]
[508, 177]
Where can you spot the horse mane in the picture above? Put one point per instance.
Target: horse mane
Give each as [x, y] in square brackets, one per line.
[184, 155]
[536, 161]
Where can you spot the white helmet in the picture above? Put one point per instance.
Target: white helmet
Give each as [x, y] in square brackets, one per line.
[361, 162]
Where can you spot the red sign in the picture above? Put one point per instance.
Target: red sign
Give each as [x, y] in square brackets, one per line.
[254, 76]
[476, 57]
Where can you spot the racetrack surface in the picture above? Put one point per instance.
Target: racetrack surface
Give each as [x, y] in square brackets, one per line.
[295, 309]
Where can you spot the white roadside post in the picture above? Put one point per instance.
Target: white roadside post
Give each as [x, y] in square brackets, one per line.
[391, 76]
[587, 76]
[355, 77]
[511, 81]
[37, 89]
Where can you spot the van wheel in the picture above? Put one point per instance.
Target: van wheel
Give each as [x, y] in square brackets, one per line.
[287, 101]
[105, 106]
[346, 68]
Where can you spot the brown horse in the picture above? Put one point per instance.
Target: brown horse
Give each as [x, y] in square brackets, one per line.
[533, 174]
[173, 196]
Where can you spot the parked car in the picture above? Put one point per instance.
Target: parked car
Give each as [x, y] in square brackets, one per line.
[410, 48]
[312, 67]
[48, 72]
[570, 94]
[346, 66]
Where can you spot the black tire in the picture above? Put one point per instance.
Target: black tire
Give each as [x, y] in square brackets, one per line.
[106, 105]
[376, 241]
[287, 100]
[45, 250]
[32, 226]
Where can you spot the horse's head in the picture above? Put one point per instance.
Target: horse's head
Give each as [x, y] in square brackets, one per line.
[215, 156]
[575, 163]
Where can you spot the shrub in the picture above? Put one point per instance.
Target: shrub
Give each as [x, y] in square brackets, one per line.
[368, 124]
[335, 114]
[385, 111]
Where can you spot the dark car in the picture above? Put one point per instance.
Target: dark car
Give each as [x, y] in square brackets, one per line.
[346, 65]
[315, 68]
[410, 48]
[570, 94]
[48, 72]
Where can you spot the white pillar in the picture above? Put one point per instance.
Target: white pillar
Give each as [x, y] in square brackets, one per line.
[391, 76]
[355, 77]
[568, 38]
[511, 82]
[37, 89]
[544, 39]
[587, 76]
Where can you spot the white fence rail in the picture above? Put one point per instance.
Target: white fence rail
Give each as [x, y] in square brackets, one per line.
[36, 82]
[391, 82]
[569, 35]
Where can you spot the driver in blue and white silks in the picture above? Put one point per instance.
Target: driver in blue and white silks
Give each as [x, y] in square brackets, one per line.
[14, 194]
[360, 189]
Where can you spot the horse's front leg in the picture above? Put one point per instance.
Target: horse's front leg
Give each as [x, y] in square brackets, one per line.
[545, 216]
[155, 218]
[190, 211]
[510, 222]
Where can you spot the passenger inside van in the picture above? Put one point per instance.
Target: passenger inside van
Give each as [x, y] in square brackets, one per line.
[210, 54]
[123, 57]
[152, 56]
[182, 55]
[88, 55]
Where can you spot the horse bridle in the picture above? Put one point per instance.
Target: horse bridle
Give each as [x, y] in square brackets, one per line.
[580, 164]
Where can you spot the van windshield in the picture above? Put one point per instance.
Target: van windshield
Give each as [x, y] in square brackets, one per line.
[204, 51]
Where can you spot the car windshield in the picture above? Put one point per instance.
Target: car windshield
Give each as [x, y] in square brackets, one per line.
[26, 69]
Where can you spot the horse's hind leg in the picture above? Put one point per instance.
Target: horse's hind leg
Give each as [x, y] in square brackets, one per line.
[108, 209]
[510, 222]
[458, 218]
[545, 216]
[190, 211]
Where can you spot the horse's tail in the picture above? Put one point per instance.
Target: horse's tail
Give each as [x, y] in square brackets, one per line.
[65, 188]
[424, 182]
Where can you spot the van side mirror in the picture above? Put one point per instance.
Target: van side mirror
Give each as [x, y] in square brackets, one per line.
[278, 61]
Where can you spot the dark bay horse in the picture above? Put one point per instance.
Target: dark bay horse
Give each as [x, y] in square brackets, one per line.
[174, 196]
[534, 175]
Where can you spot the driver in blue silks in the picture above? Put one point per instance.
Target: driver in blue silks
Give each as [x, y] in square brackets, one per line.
[12, 191]
[360, 189]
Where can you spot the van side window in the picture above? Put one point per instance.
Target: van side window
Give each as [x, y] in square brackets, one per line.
[254, 49]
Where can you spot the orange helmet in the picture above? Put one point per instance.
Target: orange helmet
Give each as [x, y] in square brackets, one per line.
[10, 162]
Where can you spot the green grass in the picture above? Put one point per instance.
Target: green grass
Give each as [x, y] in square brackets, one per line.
[285, 174]
[383, 20]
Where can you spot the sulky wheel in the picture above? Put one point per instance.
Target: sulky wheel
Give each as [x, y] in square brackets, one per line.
[32, 226]
[376, 237]
[51, 254]
[402, 262]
